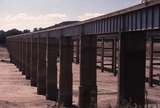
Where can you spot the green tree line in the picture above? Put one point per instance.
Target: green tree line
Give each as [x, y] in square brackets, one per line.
[12, 32]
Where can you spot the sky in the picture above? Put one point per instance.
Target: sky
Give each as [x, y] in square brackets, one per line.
[28, 14]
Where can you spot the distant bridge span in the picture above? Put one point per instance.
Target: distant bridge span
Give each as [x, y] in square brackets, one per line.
[128, 26]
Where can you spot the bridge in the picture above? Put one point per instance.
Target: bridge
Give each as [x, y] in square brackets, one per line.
[36, 54]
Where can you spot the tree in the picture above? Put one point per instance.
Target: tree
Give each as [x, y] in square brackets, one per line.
[26, 31]
[13, 32]
[35, 29]
[2, 37]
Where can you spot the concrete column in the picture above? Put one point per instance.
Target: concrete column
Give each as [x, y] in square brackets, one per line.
[102, 55]
[65, 86]
[151, 61]
[41, 75]
[12, 47]
[30, 57]
[34, 62]
[20, 54]
[24, 56]
[9, 49]
[88, 86]
[27, 73]
[51, 80]
[25, 60]
[132, 68]
[15, 52]
[114, 57]
[77, 52]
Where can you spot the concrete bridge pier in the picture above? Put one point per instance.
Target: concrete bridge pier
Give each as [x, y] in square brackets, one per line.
[9, 44]
[88, 86]
[30, 57]
[12, 51]
[16, 52]
[132, 68]
[23, 56]
[51, 74]
[77, 51]
[14, 59]
[114, 57]
[34, 62]
[20, 55]
[27, 73]
[41, 75]
[65, 86]
[29, 65]
[151, 61]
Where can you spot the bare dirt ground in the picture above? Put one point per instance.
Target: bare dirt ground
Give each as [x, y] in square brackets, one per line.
[108, 90]
[16, 92]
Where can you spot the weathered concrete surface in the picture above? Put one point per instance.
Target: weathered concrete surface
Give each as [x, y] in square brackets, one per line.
[15, 90]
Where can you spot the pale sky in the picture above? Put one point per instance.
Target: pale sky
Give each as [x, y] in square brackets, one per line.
[28, 14]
